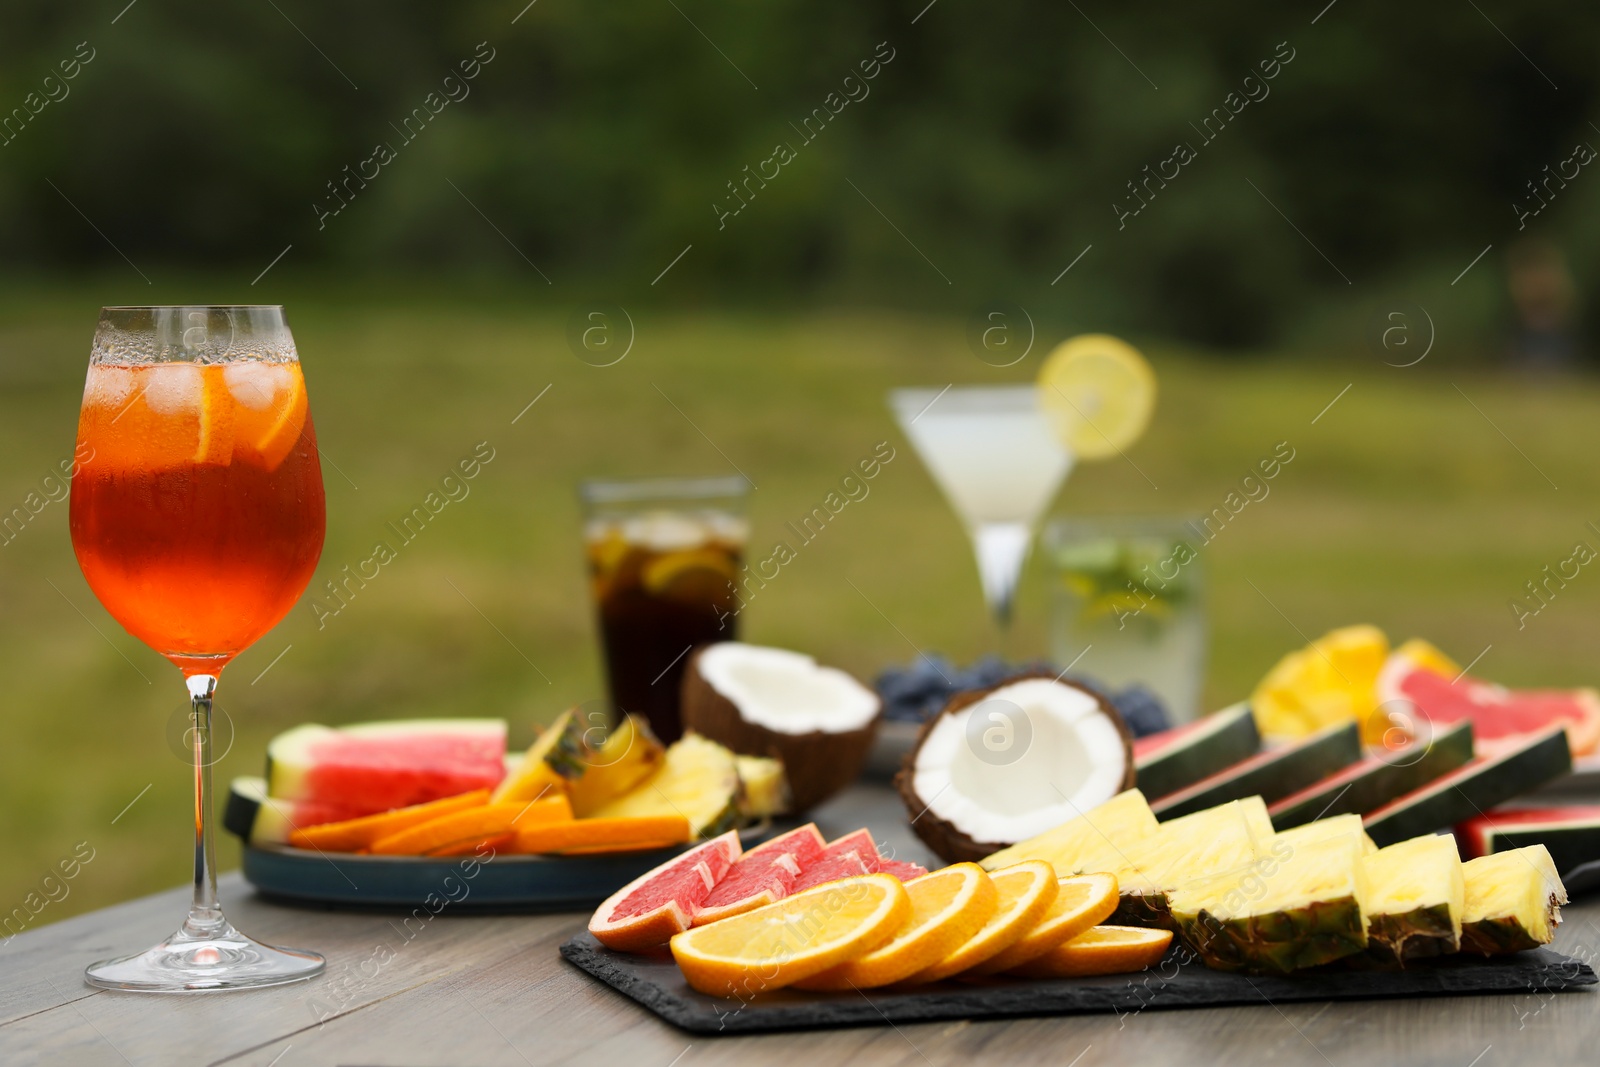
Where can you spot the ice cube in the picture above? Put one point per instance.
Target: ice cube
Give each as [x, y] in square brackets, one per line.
[171, 388]
[108, 387]
[256, 385]
[665, 531]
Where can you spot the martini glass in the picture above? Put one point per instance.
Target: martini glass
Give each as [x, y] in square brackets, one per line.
[999, 459]
[198, 521]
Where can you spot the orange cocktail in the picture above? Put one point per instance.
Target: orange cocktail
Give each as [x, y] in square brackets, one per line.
[198, 516]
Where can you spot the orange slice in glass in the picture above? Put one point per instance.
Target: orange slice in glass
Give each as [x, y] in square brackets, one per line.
[1081, 902]
[271, 409]
[1026, 891]
[794, 938]
[1100, 950]
[947, 908]
[215, 445]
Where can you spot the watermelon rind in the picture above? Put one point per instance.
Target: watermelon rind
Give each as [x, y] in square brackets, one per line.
[1571, 841]
[1219, 741]
[1473, 789]
[1270, 775]
[289, 756]
[1372, 783]
[253, 816]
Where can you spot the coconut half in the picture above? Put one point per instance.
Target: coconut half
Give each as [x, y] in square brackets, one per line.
[819, 721]
[1004, 764]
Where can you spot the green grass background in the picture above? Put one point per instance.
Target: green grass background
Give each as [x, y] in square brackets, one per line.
[1404, 506]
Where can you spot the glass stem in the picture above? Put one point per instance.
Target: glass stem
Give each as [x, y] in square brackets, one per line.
[205, 916]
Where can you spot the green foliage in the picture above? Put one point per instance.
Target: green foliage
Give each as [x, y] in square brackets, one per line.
[996, 143]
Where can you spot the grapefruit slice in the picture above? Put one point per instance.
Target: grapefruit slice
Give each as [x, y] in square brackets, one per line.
[947, 908]
[831, 868]
[380, 766]
[1026, 890]
[794, 939]
[1081, 902]
[854, 853]
[1417, 693]
[904, 870]
[658, 904]
[1101, 950]
[764, 875]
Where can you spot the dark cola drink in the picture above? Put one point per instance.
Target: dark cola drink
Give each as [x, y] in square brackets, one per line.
[663, 557]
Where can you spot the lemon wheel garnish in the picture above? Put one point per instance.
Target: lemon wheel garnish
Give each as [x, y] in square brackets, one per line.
[1099, 392]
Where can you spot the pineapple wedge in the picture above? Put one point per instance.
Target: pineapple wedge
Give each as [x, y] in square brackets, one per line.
[1089, 844]
[1513, 901]
[698, 779]
[1416, 896]
[1297, 905]
[1201, 845]
[1322, 829]
[629, 755]
[766, 786]
[551, 762]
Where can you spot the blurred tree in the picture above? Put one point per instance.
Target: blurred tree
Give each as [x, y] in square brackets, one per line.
[981, 159]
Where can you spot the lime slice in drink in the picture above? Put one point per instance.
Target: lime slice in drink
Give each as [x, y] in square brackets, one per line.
[1099, 392]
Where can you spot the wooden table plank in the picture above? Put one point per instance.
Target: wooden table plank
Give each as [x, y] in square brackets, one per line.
[485, 990]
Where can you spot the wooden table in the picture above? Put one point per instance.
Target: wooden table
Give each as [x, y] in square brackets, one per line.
[491, 990]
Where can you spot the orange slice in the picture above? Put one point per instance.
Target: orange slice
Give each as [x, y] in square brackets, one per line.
[497, 842]
[624, 833]
[215, 446]
[1100, 950]
[271, 409]
[352, 835]
[473, 824]
[1081, 902]
[947, 908]
[1026, 891]
[794, 938]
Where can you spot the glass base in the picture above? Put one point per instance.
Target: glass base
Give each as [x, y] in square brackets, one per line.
[222, 959]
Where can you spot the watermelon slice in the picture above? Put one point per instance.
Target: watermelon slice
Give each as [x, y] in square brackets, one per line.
[1376, 780]
[763, 875]
[649, 910]
[1412, 685]
[1571, 833]
[262, 820]
[1173, 759]
[1473, 789]
[1271, 775]
[379, 766]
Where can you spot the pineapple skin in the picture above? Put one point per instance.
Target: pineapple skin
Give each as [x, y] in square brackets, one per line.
[1504, 935]
[1421, 933]
[1280, 942]
[1152, 911]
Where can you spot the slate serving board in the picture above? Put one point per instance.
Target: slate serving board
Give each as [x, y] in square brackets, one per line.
[656, 983]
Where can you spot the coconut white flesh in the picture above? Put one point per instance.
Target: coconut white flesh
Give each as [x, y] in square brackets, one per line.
[786, 692]
[1073, 761]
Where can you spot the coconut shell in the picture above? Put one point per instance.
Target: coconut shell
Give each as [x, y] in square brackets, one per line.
[817, 764]
[949, 843]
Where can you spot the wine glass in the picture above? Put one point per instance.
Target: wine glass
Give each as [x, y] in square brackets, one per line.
[1000, 460]
[198, 519]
